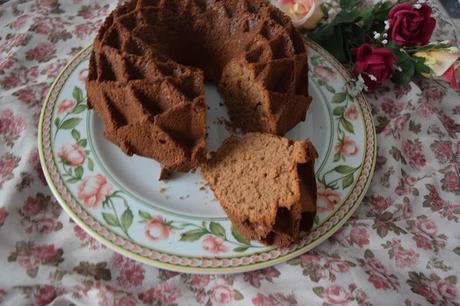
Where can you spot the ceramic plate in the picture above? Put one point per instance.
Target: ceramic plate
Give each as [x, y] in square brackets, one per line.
[179, 225]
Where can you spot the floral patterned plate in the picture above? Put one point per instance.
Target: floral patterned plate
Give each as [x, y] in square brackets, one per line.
[178, 225]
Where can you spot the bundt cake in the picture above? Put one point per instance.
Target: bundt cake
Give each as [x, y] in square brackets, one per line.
[266, 185]
[150, 60]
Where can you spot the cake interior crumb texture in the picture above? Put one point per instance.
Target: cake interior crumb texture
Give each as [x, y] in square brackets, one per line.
[266, 185]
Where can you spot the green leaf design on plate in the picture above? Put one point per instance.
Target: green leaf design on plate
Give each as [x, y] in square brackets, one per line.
[336, 156]
[330, 88]
[193, 235]
[79, 108]
[240, 238]
[75, 134]
[347, 181]
[79, 172]
[110, 219]
[338, 111]
[77, 94]
[145, 215]
[339, 97]
[70, 123]
[73, 180]
[240, 249]
[90, 164]
[344, 169]
[127, 219]
[217, 229]
[82, 143]
[347, 125]
[56, 122]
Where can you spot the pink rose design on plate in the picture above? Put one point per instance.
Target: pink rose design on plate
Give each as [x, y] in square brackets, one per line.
[65, 106]
[347, 147]
[427, 226]
[214, 244]
[359, 236]
[156, 229]
[324, 73]
[221, 292]
[93, 190]
[83, 74]
[328, 197]
[336, 295]
[73, 155]
[351, 113]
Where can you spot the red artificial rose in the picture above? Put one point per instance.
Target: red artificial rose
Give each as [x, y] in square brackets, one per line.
[410, 26]
[374, 64]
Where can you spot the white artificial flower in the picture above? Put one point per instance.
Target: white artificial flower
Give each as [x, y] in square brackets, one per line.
[384, 41]
[376, 35]
[417, 6]
[372, 77]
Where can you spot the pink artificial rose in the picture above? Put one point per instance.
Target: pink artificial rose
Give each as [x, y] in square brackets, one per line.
[221, 292]
[155, 229]
[324, 73]
[411, 26]
[359, 236]
[406, 258]
[378, 282]
[93, 190]
[337, 265]
[214, 244]
[427, 226]
[447, 290]
[351, 113]
[336, 295]
[347, 147]
[65, 106]
[73, 155]
[329, 197]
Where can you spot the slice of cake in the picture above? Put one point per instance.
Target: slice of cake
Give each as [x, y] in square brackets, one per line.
[266, 185]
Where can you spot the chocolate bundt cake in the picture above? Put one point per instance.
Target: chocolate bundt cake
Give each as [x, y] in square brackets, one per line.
[150, 60]
[266, 185]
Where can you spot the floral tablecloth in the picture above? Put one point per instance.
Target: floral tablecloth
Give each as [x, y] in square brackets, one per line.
[401, 247]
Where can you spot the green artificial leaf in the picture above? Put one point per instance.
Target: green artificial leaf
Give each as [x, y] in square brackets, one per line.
[77, 94]
[344, 169]
[339, 97]
[240, 238]
[347, 181]
[240, 249]
[348, 4]
[75, 134]
[79, 108]
[82, 143]
[330, 38]
[345, 16]
[70, 123]
[338, 111]
[90, 164]
[126, 219]
[193, 235]
[406, 68]
[145, 215]
[79, 172]
[347, 125]
[217, 229]
[110, 219]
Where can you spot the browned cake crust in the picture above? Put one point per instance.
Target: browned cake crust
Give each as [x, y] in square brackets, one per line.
[266, 185]
[151, 57]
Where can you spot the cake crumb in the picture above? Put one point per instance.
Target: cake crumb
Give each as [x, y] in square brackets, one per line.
[163, 190]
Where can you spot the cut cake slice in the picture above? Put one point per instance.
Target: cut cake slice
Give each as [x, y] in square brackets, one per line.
[266, 185]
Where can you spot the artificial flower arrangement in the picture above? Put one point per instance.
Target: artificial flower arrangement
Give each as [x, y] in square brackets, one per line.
[390, 40]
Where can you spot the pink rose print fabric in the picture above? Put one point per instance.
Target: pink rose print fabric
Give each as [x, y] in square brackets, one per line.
[400, 247]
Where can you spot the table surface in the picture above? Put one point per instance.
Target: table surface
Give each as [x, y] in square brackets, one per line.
[401, 247]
